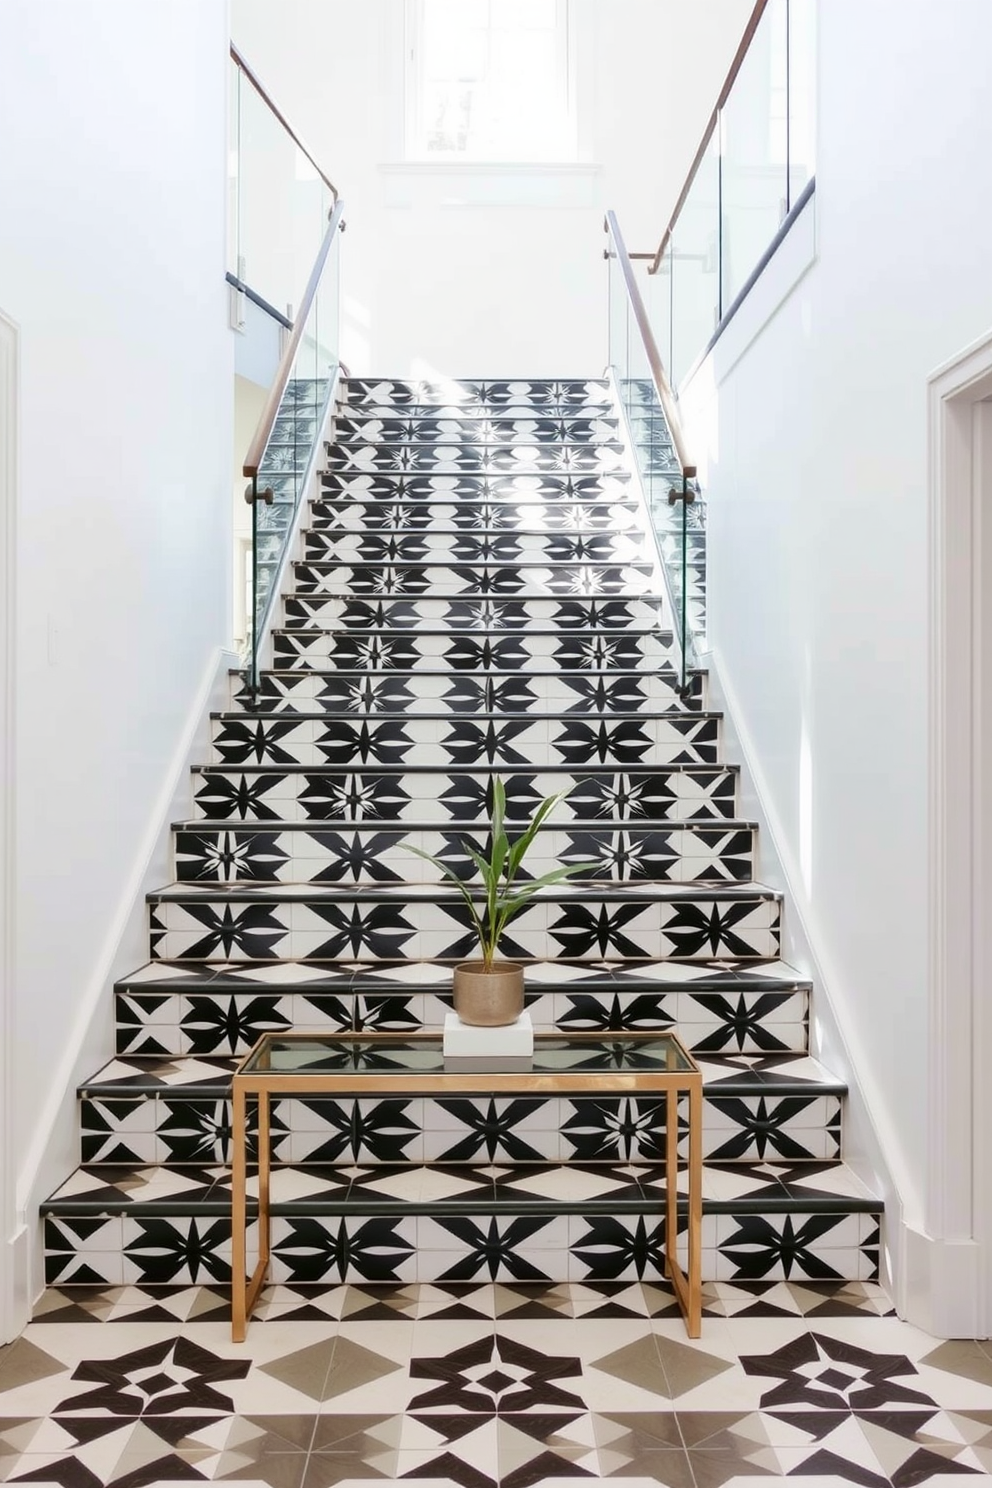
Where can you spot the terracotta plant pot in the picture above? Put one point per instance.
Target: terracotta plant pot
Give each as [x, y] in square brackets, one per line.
[489, 998]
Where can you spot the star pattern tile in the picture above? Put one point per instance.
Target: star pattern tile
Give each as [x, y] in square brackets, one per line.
[475, 592]
[506, 1384]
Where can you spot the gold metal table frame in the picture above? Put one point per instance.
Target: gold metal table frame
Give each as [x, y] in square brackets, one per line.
[256, 1077]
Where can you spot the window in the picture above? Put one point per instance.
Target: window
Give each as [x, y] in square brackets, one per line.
[489, 80]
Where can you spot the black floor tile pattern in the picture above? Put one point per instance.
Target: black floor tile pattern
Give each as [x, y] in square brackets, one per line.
[511, 1383]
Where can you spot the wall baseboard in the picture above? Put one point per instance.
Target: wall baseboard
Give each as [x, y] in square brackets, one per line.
[941, 1284]
[15, 1283]
[54, 1151]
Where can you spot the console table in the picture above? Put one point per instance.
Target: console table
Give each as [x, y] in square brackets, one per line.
[414, 1065]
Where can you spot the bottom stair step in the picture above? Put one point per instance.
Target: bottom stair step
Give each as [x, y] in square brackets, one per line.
[543, 1222]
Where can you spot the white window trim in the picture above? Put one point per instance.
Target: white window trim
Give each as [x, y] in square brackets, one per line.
[413, 156]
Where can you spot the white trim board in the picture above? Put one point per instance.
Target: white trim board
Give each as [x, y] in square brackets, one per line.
[14, 1298]
[948, 1257]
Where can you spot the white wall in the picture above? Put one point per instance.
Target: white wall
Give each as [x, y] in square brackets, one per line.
[112, 196]
[815, 463]
[493, 287]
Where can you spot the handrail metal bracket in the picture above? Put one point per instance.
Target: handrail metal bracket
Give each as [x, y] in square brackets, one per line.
[253, 494]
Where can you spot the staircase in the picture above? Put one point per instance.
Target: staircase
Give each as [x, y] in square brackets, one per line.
[475, 595]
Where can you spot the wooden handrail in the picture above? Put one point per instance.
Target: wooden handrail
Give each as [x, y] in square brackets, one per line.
[658, 373]
[256, 450]
[274, 108]
[728, 83]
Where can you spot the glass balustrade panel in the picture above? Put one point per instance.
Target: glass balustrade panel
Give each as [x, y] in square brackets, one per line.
[802, 95]
[695, 266]
[754, 153]
[281, 209]
[288, 459]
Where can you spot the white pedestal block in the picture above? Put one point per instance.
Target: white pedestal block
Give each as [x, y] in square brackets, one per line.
[469, 1041]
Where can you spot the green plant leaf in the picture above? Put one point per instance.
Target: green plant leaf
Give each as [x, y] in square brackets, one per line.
[523, 842]
[459, 884]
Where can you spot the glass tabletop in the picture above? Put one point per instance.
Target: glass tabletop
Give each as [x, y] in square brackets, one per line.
[304, 1054]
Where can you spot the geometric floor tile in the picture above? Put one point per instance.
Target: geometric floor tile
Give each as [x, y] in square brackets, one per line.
[490, 1385]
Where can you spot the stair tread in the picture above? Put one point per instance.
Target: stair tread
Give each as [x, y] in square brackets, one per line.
[255, 977]
[740, 1075]
[457, 632]
[461, 824]
[744, 1187]
[556, 893]
[462, 772]
[692, 717]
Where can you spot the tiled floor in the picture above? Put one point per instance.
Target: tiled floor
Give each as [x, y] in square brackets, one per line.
[479, 1385]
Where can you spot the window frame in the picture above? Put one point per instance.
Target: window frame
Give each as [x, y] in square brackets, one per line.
[414, 151]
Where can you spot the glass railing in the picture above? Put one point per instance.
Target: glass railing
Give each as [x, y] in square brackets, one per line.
[283, 453]
[278, 198]
[752, 173]
[666, 472]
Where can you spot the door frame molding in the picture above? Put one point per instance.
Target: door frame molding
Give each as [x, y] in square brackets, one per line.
[946, 1281]
[13, 1249]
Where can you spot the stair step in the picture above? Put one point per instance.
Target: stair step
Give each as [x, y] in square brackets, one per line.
[476, 547]
[418, 922]
[519, 580]
[618, 616]
[472, 650]
[516, 423]
[468, 459]
[151, 1111]
[275, 726]
[361, 853]
[504, 695]
[571, 490]
[396, 392]
[458, 1222]
[533, 519]
[387, 797]
[747, 1007]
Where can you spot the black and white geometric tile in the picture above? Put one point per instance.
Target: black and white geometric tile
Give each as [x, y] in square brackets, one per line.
[508, 1383]
[475, 592]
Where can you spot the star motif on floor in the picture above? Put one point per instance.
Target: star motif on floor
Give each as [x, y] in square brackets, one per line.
[828, 1374]
[496, 1376]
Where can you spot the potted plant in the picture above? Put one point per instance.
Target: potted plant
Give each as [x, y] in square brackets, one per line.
[488, 991]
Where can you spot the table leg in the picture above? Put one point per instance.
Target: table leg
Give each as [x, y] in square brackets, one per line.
[264, 1169]
[695, 1278]
[239, 1214]
[671, 1180]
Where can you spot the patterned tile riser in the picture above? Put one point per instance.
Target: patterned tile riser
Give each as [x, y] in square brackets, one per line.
[398, 392]
[197, 1129]
[570, 492]
[676, 795]
[602, 697]
[483, 460]
[538, 580]
[494, 614]
[366, 693]
[603, 922]
[370, 855]
[185, 1249]
[521, 651]
[269, 731]
[478, 547]
[406, 515]
[512, 425]
[205, 1023]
